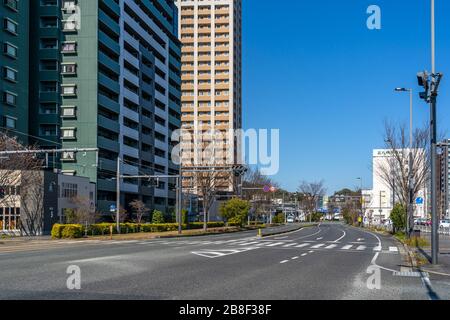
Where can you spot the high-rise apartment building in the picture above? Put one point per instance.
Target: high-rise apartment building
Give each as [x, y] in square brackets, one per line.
[443, 181]
[210, 31]
[103, 74]
[14, 35]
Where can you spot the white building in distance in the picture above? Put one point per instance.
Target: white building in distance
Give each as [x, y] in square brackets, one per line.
[379, 202]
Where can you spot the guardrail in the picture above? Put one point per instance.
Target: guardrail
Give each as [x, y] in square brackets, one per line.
[427, 229]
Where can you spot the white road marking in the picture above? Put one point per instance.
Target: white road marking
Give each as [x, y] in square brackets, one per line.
[294, 258]
[347, 247]
[289, 245]
[302, 245]
[360, 248]
[319, 238]
[337, 240]
[311, 251]
[248, 243]
[378, 249]
[393, 249]
[317, 246]
[284, 261]
[360, 239]
[331, 246]
[305, 254]
[274, 244]
[280, 238]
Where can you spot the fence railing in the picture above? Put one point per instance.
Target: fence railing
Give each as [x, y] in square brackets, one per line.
[427, 229]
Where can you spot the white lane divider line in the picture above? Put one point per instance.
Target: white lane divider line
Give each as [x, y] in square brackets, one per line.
[304, 255]
[302, 245]
[294, 258]
[361, 248]
[311, 251]
[332, 246]
[393, 249]
[317, 246]
[289, 245]
[274, 244]
[248, 243]
[284, 261]
[347, 247]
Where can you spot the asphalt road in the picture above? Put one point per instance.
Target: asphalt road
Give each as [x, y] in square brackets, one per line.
[329, 261]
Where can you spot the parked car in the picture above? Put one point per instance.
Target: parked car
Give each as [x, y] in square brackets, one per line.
[290, 219]
[444, 224]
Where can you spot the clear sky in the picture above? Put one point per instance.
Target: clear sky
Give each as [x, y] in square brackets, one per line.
[315, 71]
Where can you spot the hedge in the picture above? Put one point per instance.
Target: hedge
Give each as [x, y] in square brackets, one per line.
[77, 231]
[67, 231]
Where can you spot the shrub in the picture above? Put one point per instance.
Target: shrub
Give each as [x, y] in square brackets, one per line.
[279, 218]
[235, 211]
[398, 217]
[72, 231]
[157, 217]
[57, 231]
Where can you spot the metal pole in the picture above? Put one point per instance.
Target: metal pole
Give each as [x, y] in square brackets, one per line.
[180, 202]
[434, 214]
[409, 218]
[118, 196]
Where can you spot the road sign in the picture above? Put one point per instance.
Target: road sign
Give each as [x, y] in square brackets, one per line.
[112, 208]
[419, 200]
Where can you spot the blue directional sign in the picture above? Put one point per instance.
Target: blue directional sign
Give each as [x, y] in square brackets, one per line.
[419, 200]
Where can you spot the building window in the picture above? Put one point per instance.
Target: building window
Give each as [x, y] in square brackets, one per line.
[69, 90]
[68, 156]
[69, 5]
[10, 74]
[69, 68]
[68, 111]
[12, 4]
[10, 26]
[68, 133]
[10, 122]
[69, 25]
[69, 190]
[10, 98]
[69, 47]
[10, 50]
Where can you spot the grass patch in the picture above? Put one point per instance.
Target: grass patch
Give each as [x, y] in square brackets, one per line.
[412, 242]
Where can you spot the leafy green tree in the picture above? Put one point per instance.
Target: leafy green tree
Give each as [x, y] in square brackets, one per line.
[235, 211]
[279, 218]
[316, 217]
[158, 217]
[185, 216]
[398, 217]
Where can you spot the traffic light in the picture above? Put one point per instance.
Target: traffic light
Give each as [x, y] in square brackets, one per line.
[423, 80]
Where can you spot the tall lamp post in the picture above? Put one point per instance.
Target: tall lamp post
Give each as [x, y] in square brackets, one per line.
[360, 179]
[410, 213]
[430, 82]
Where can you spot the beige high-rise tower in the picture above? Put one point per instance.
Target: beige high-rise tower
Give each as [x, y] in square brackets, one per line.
[210, 32]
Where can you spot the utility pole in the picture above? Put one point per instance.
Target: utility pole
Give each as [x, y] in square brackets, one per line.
[431, 85]
[410, 209]
[118, 196]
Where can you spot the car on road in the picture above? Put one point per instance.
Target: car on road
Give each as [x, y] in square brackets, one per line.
[444, 224]
[420, 221]
[290, 220]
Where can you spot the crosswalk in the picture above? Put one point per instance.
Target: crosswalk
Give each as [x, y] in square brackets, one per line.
[274, 244]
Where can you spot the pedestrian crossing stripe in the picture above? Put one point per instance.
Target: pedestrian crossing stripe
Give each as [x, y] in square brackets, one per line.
[347, 247]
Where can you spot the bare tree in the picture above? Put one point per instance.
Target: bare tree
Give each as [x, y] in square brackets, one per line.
[310, 193]
[123, 215]
[253, 184]
[83, 212]
[22, 179]
[140, 210]
[394, 172]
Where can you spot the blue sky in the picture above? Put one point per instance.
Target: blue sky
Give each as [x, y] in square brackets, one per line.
[314, 70]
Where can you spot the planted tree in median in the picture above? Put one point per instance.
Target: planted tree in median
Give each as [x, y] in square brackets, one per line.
[235, 211]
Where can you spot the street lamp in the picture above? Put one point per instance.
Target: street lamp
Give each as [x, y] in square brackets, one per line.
[362, 198]
[410, 213]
